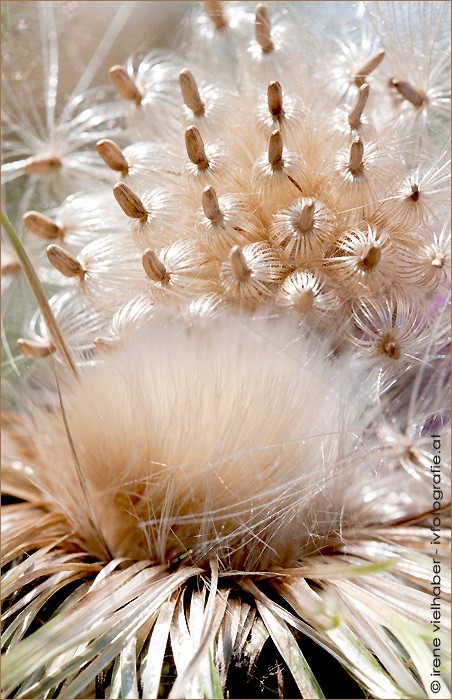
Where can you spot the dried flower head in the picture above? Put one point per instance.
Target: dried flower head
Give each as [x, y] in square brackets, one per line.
[226, 424]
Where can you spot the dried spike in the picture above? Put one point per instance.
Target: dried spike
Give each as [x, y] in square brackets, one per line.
[263, 29]
[210, 204]
[215, 11]
[129, 202]
[368, 68]
[112, 155]
[195, 148]
[42, 166]
[356, 155]
[34, 348]
[275, 149]
[105, 344]
[190, 93]
[153, 266]
[275, 99]
[42, 226]
[10, 264]
[125, 85]
[372, 258]
[354, 118]
[239, 268]
[409, 93]
[64, 262]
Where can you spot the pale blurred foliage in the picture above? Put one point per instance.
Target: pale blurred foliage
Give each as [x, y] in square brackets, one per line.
[132, 25]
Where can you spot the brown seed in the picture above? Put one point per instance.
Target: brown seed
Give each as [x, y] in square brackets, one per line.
[263, 29]
[42, 166]
[153, 266]
[275, 150]
[305, 300]
[10, 264]
[354, 118]
[215, 11]
[274, 99]
[112, 155]
[356, 155]
[239, 267]
[369, 67]
[409, 93]
[42, 226]
[34, 348]
[414, 193]
[210, 204]
[195, 148]
[190, 93]
[125, 85]
[372, 258]
[129, 202]
[391, 349]
[307, 215]
[64, 262]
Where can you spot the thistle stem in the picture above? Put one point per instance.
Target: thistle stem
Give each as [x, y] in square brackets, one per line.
[41, 299]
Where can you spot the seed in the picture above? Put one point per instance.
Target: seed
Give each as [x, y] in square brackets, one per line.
[64, 262]
[125, 85]
[263, 29]
[129, 202]
[42, 226]
[190, 93]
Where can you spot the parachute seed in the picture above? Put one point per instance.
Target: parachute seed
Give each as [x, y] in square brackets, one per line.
[190, 93]
[42, 226]
[195, 148]
[305, 301]
[153, 266]
[354, 118]
[274, 99]
[125, 85]
[215, 11]
[391, 349]
[210, 204]
[129, 202]
[372, 258]
[275, 150]
[42, 166]
[112, 155]
[356, 155]
[368, 68]
[414, 196]
[10, 264]
[64, 262]
[34, 348]
[239, 268]
[263, 29]
[307, 215]
[409, 93]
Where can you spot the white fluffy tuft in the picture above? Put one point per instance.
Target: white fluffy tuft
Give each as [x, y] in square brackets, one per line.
[192, 449]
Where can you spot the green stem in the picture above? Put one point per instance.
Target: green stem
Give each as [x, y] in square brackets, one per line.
[61, 347]
[39, 294]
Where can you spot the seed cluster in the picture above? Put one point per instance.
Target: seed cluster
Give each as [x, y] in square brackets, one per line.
[259, 193]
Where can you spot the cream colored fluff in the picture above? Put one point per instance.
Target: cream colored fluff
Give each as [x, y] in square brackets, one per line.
[232, 439]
